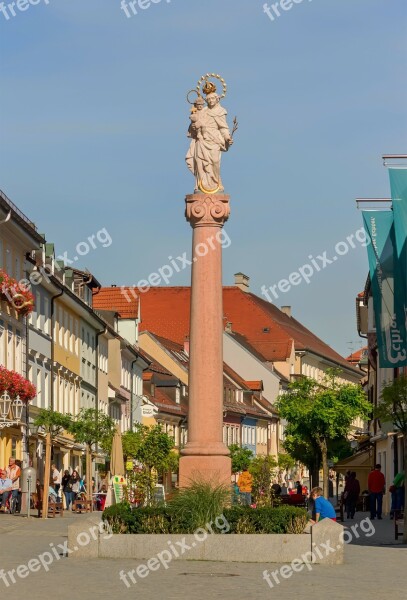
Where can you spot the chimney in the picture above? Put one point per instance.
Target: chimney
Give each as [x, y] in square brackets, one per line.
[186, 345]
[242, 281]
[228, 327]
[286, 310]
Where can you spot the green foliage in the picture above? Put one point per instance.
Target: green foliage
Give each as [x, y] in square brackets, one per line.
[131, 442]
[52, 421]
[285, 461]
[152, 448]
[241, 458]
[318, 413]
[200, 503]
[238, 519]
[393, 405]
[263, 471]
[92, 427]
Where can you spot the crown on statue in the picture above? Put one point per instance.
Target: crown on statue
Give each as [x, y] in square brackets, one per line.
[208, 87]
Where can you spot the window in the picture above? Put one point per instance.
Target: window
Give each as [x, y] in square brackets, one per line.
[38, 310]
[10, 357]
[2, 341]
[46, 390]
[46, 316]
[39, 389]
[19, 352]
[60, 326]
[71, 335]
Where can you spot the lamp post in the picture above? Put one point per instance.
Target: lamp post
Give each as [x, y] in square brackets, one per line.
[8, 405]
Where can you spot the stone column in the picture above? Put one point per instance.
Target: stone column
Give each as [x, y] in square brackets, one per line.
[205, 456]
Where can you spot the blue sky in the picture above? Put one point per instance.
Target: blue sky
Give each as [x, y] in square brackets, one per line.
[93, 123]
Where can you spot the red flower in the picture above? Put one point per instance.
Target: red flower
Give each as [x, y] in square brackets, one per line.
[16, 385]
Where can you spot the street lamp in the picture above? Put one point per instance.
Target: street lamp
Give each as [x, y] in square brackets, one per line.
[16, 406]
[5, 403]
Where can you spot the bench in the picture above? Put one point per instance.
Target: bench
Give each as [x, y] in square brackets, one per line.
[398, 522]
[293, 499]
[54, 508]
[80, 506]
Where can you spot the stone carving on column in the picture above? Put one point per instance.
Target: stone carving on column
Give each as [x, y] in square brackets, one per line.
[207, 211]
[210, 135]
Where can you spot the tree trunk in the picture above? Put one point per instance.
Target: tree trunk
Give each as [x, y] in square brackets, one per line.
[325, 468]
[314, 476]
[47, 476]
[89, 473]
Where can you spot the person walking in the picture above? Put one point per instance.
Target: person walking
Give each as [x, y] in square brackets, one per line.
[351, 495]
[56, 478]
[245, 483]
[76, 484]
[66, 485]
[376, 484]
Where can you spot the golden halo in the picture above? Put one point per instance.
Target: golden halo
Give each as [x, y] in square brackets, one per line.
[201, 187]
[190, 92]
[206, 77]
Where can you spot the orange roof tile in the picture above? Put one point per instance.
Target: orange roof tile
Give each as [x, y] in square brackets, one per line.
[123, 300]
[165, 312]
[255, 386]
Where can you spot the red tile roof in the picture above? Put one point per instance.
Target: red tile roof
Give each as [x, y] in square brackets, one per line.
[255, 386]
[165, 312]
[124, 301]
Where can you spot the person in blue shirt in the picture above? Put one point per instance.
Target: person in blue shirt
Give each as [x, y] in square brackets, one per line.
[322, 507]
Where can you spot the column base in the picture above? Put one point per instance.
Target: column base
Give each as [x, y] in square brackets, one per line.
[214, 469]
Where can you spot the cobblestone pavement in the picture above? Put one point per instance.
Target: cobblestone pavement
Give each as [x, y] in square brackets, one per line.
[374, 568]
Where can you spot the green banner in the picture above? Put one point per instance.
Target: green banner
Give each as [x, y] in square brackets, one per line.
[384, 267]
[398, 184]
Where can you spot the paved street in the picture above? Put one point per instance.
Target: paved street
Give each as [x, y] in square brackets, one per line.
[373, 567]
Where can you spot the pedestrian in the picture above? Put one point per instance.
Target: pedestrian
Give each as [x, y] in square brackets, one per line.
[284, 489]
[351, 495]
[322, 507]
[298, 487]
[13, 472]
[56, 478]
[397, 491]
[245, 483]
[5, 489]
[76, 484]
[66, 484]
[376, 484]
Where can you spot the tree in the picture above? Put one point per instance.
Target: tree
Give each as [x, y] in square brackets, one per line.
[153, 448]
[241, 458]
[262, 469]
[393, 409]
[92, 427]
[322, 412]
[53, 423]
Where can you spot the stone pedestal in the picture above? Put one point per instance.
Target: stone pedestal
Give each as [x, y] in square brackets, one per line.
[205, 456]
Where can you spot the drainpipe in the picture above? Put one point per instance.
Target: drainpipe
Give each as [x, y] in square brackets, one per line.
[53, 298]
[132, 395]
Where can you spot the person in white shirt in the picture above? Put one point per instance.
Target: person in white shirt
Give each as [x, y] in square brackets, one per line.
[56, 478]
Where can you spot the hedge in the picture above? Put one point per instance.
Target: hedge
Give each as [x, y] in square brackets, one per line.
[241, 519]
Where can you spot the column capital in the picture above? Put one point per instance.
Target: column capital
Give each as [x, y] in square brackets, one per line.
[207, 210]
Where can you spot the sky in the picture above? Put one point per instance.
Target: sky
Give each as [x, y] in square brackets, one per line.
[93, 122]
